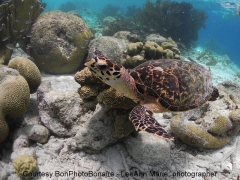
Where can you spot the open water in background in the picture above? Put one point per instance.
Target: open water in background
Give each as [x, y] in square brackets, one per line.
[221, 35]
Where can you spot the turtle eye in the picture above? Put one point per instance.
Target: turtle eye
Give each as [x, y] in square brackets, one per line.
[102, 67]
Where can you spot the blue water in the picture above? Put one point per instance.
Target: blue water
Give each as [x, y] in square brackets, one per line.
[221, 35]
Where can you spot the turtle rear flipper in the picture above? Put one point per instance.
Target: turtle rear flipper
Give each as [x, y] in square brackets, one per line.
[142, 119]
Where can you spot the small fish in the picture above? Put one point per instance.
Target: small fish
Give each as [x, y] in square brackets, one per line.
[151, 29]
[17, 20]
[5, 38]
[29, 45]
[1, 17]
[164, 29]
[82, 47]
[28, 22]
[14, 30]
[29, 35]
[10, 46]
[86, 40]
[1, 27]
[22, 30]
[54, 41]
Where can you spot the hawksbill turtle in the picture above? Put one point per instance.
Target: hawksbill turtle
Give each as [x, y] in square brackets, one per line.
[157, 86]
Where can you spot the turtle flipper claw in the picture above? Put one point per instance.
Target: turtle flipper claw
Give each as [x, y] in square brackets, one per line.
[142, 119]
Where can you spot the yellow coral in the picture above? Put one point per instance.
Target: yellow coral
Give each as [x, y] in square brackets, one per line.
[14, 101]
[85, 76]
[88, 91]
[221, 125]
[113, 99]
[28, 70]
[134, 48]
[196, 135]
[153, 50]
[25, 166]
[133, 61]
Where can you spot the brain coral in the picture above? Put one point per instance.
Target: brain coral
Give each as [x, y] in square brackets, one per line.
[198, 135]
[25, 165]
[28, 70]
[14, 101]
[60, 42]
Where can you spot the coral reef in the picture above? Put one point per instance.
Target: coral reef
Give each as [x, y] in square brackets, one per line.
[134, 48]
[28, 70]
[108, 20]
[137, 53]
[16, 22]
[16, 83]
[93, 91]
[14, 99]
[111, 98]
[221, 125]
[90, 87]
[166, 18]
[25, 166]
[197, 135]
[60, 49]
[110, 10]
[117, 24]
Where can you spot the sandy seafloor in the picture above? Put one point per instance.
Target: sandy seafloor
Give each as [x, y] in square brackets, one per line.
[116, 159]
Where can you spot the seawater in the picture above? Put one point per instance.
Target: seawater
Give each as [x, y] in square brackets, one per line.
[221, 35]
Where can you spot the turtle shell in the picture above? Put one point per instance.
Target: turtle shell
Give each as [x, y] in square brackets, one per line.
[177, 85]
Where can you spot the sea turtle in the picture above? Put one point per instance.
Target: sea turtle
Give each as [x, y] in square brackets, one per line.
[157, 86]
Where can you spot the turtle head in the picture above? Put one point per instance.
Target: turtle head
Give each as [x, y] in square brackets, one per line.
[113, 74]
[104, 68]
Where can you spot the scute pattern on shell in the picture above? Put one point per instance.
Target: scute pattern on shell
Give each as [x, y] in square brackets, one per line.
[177, 85]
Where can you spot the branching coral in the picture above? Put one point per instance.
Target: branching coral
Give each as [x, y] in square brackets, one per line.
[178, 20]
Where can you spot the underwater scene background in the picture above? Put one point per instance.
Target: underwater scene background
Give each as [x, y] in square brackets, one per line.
[124, 89]
[220, 34]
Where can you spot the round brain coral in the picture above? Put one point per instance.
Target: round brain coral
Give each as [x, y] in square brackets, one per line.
[14, 101]
[25, 166]
[60, 42]
[28, 70]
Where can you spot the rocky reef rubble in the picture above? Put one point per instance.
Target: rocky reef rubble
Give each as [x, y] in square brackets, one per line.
[91, 144]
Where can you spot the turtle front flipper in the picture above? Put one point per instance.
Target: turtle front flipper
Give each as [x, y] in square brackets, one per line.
[142, 119]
